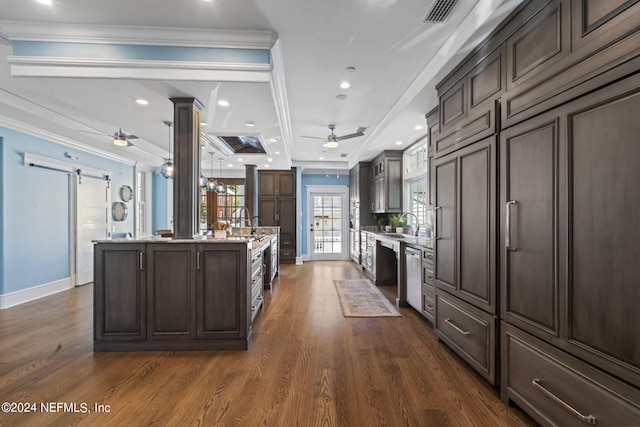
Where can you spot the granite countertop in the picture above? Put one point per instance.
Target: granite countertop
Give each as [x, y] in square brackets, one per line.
[257, 241]
[418, 241]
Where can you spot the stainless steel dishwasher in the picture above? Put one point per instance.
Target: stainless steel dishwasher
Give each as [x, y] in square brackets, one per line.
[413, 269]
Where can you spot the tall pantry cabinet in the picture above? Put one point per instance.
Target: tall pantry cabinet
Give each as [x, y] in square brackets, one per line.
[553, 97]
[277, 207]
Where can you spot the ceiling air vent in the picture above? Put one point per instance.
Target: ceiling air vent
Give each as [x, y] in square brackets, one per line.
[440, 11]
[343, 155]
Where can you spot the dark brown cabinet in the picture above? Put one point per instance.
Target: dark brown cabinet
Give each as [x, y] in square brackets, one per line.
[558, 84]
[171, 296]
[277, 207]
[386, 183]
[570, 275]
[119, 289]
[465, 218]
[171, 291]
[221, 303]
[359, 196]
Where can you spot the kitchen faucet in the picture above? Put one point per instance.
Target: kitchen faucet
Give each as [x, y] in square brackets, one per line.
[245, 218]
[404, 215]
[253, 229]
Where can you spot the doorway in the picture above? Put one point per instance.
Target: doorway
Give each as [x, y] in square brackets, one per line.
[328, 237]
[92, 222]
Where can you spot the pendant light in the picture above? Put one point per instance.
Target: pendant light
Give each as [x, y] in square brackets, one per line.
[220, 187]
[211, 184]
[167, 170]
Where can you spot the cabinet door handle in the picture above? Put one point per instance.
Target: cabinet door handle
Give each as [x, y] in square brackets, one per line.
[141, 261]
[450, 323]
[507, 238]
[435, 222]
[429, 306]
[198, 261]
[589, 419]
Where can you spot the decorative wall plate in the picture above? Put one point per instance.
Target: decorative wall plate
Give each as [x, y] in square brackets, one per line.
[119, 211]
[126, 193]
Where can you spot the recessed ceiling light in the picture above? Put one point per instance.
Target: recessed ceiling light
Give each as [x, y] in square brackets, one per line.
[418, 127]
[203, 123]
[270, 159]
[202, 145]
[45, 2]
[240, 159]
[272, 140]
[277, 152]
[345, 85]
[223, 103]
[230, 165]
[250, 124]
[266, 165]
[341, 96]
[321, 158]
[398, 142]
[141, 101]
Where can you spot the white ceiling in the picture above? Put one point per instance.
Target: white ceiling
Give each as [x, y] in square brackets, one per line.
[398, 61]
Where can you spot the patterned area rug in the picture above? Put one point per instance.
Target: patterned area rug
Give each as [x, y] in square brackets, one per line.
[360, 298]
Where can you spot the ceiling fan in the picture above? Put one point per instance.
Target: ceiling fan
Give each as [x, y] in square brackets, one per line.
[332, 138]
[120, 138]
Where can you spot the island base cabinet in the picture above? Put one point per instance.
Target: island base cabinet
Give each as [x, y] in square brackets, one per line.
[171, 296]
[171, 292]
[119, 293]
[557, 389]
[220, 299]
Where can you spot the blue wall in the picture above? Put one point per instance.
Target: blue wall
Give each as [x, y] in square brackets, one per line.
[36, 224]
[161, 217]
[332, 179]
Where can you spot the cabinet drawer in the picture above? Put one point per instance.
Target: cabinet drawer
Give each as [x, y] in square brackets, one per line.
[558, 389]
[427, 274]
[428, 305]
[427, 256]
[470, 332]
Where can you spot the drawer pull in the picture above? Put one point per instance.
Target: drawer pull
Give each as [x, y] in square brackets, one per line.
[456, 328]
[589, 419]
[430, 307]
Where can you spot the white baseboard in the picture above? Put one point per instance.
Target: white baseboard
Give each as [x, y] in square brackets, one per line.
[298, 260]
[36, 292]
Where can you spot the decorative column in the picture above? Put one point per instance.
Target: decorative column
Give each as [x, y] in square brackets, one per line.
[251, 190]
[186, 137]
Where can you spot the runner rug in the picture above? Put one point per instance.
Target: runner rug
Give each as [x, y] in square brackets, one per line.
[361, 298]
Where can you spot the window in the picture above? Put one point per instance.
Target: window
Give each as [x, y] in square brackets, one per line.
[417, 199]
[416, 184]
[226, 208]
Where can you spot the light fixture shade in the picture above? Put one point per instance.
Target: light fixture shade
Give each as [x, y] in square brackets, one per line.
[202, 182]
[331, 144]
[167, 170]
[221, 188]
[120, 142]
[211, 185]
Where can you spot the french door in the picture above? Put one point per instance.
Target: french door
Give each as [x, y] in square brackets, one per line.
[328, 233]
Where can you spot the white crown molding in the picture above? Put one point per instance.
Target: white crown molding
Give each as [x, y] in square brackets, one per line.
[28, 66]
[4, 40]
[118, 34]
[39, 133]
[281, 102]
[444, 60]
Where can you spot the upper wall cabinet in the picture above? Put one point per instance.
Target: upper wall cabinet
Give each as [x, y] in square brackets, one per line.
[386, 182]
[566, 49]
[468, 109]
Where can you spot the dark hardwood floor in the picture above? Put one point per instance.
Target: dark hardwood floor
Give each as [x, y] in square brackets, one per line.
[307, 366]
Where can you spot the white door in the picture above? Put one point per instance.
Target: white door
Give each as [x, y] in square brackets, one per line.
[93, 221]
[328, 237]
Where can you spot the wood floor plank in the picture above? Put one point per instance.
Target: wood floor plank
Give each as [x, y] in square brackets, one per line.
[307, 366]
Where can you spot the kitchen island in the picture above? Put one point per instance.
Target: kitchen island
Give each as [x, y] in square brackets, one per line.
[177, 294]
